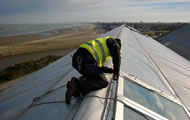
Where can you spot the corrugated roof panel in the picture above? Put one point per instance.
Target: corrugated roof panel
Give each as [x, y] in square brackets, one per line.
[135, 62]
[175, 68]
[15, 100]
[49, 83]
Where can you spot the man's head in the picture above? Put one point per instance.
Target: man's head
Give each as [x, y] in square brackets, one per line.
[117, 40]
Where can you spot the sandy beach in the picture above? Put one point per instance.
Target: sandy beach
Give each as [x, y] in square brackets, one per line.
[18, 49]
[66, 39]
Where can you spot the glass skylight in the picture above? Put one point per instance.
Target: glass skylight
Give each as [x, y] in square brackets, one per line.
[130, 114]
[153, 101]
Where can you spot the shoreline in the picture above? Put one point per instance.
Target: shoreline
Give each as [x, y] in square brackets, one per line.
[43, 28]
[11, 60]
[64, 39]
[24, 37]
[30, 47]
[24, 48]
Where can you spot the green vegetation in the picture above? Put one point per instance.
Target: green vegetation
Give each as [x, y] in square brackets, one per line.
[19, 70]
[155, 34]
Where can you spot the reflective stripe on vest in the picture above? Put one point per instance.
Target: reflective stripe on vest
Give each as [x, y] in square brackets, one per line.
[99, 50]
[96, 54]
[102, 50]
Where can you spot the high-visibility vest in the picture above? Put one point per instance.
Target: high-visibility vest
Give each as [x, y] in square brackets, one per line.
[99, 50]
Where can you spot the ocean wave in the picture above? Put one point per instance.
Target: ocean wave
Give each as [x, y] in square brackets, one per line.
[24, 29]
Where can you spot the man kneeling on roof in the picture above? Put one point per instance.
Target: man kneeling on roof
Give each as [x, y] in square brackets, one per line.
[88, 60]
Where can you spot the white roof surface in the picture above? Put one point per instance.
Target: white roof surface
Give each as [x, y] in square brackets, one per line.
[149, 62]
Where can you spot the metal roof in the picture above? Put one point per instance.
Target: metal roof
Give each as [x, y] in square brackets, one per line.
[148, 70]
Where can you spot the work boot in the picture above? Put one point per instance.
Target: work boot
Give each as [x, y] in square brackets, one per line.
[77, 93]
[71, 89]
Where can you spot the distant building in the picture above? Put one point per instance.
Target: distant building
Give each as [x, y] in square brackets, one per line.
[178, 40]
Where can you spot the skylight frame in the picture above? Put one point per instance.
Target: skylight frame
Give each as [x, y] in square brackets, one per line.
[142, 84]
[122, 100]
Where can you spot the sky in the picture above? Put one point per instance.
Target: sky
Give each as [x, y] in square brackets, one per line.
[67, 11]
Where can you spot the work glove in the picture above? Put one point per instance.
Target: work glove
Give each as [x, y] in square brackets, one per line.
[116, 76]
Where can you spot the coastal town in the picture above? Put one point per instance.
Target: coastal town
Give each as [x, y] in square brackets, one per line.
[154, 30]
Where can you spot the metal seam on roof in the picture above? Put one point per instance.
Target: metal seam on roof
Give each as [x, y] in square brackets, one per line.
[43, 94]
[106, 106]
[111, 103]
[162, 76]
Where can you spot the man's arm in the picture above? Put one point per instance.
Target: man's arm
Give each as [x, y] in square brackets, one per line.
[114, 49]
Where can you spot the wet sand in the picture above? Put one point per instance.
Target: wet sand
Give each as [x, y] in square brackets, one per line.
[18, 49]
[23, 48]
[70, 38]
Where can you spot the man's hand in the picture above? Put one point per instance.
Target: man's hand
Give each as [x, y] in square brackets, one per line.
[115, 77]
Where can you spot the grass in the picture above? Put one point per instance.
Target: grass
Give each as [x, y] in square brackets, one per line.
[22, 69]
[156, 33]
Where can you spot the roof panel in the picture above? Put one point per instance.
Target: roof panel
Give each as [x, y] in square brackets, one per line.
[135, 61]
[175, 68]
[52, 107]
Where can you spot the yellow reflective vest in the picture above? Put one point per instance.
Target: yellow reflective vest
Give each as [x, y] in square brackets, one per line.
[99, 50]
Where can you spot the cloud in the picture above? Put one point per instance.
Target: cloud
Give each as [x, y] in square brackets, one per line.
[13, 7]
[92, 10]
[155, 1]
[84, 2]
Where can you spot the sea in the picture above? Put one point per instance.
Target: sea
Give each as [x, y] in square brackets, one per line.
[7, 30]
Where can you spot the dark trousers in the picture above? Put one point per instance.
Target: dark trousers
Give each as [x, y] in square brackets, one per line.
[91, 83]
[88, 83]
